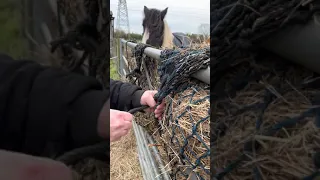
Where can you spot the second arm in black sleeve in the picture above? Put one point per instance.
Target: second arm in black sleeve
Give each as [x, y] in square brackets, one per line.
[124, 96]
[45, 110]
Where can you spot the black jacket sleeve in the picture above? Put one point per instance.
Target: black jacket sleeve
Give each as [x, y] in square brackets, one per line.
[44, 110]
[124, 96]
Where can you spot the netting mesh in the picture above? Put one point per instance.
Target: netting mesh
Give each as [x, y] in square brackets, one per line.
[184, 134]
[265, 108]
[187, 119]
[268, 128]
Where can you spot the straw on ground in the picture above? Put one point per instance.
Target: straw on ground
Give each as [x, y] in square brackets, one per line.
[124, 162]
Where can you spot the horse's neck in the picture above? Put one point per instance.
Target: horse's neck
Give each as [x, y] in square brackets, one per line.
[167, 37]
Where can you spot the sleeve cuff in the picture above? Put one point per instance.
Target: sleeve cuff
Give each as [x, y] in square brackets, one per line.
[137, 98]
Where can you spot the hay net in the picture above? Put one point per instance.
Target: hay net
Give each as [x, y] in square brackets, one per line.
[265, 110]
[183, 135]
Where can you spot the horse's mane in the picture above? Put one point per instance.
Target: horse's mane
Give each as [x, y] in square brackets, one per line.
[167, 37]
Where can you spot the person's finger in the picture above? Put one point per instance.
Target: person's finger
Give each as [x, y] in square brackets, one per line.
[153, 92]
[126, 131]
[127, 125]
[151, 102]
[125, 116]
[149, 109]
[115, 137]
[118, 134]
[159, 116]
[159, 110]
[160, 107]
[122, 133]
[163, 104]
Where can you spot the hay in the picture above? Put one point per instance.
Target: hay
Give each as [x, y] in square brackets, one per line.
[287, 153]
[185, 124]
[124, 163]
[170, 151]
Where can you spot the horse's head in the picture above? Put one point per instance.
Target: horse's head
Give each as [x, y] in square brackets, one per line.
[153, 26]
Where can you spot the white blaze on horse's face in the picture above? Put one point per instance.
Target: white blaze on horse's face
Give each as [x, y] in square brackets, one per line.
[146, 33]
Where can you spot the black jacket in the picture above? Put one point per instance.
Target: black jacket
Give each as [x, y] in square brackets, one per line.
[45, 109]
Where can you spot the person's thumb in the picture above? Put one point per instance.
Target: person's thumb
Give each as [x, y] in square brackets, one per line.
[149, 100]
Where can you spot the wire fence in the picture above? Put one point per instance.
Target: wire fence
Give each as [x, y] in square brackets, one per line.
[183, 137]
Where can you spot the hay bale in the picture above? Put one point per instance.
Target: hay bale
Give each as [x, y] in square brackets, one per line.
[265, 109]
[268, 128]
[179, 146]
[186, 132]
[175, 139]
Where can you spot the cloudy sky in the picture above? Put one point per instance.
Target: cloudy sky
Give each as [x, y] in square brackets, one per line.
[182, 16]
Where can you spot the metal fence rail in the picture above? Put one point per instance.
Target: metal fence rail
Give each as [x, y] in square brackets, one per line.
[150, 161]
[202, 75]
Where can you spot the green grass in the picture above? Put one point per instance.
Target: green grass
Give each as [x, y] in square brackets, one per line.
[11, 38]
[114, 70]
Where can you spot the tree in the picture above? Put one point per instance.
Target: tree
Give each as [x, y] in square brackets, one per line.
[204, 29]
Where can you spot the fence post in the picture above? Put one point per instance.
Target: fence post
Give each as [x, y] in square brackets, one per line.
[120, 58]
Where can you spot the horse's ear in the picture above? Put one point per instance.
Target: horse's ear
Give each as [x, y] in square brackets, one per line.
[145, 9]
[164, 13]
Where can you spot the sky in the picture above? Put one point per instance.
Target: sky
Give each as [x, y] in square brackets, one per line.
[182, 16]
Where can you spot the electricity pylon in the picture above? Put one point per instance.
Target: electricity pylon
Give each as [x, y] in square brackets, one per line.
[122, 17]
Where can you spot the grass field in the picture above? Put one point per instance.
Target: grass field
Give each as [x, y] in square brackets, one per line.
[11, 37]
[113, 70]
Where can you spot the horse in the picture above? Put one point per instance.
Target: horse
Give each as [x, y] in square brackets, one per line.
[157, 33]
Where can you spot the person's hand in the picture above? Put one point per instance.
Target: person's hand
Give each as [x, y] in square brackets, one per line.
[147, 99]
[120, 124]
